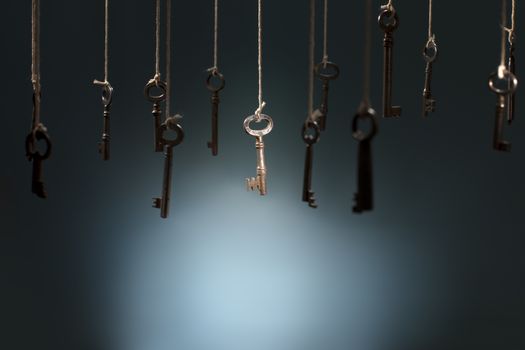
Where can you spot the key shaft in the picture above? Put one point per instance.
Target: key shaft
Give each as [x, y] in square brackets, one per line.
[214, 143]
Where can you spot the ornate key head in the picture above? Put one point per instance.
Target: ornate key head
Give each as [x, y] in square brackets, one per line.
[172, 124]
[364, 113]
[149, 91]
[39, 133]
[327, 71]
[107, 92]
[215, 81]
[505, 83]
[430, 51]
[388, 20]
[257, 119]
[311, 132]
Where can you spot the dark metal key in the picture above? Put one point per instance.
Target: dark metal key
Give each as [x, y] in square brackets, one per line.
[512, 69]
[364, 198]
[163, 202]
[388, 21]
[503, 86]
[107, 97]
[430, 53]
[311, 133]
[34, 155]
[326, 72]
[215, 100]
[157, 111]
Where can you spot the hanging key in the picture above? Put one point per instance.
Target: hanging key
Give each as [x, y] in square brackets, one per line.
[503, 85]
[325, 72]
[171, 124]
[430, 53]
[311, 133]
[157, 111]
[37, 157]
[512, 69]
[389, 22]
[215, 100]
[107, 97]
[364, 198]
[258, 182]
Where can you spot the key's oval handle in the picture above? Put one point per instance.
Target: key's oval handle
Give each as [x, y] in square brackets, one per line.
[211, 86]
[322, 70]
[388, 20]
[360, 135]
[308, 138]
[107, 91]
[509, 81]
[37, 134]
[430, 51]
[171, 124]
[155, 84]
[260, 132]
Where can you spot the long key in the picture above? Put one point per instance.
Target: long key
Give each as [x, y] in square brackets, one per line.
[215, 100]
[430, 54]
[326, 72]
[163, 202]
[310, 139]
[107, 97]
[157, 111]
[388, 21]
[259, 181]
[364, 198]
[503, 87]
[38, 134]
[512, 96]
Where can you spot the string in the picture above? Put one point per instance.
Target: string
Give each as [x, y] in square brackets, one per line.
[430, 33]
[325, 38]
[367, 54]
[262, 104]
[389, 6]
[215, 68]
[311, 63]
[157, 41]
[35, 58]
[168, 58]
[502, 69]
[106, 43]
[511, 30]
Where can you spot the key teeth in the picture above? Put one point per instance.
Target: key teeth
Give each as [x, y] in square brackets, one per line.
[157, 203]
[395, 111]
[504, 146]
[311, 200]
[252, 184]
[39, 190]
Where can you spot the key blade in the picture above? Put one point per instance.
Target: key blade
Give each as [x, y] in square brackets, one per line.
[157, 203]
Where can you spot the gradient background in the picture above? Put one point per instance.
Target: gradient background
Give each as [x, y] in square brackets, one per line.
[437, 265]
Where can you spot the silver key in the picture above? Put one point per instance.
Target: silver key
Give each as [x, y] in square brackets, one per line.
[259, 181]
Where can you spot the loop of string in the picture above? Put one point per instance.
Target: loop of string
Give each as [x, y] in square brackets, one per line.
[168, 59]
[366, 54]
[311, 54]
[512, 28]
[502, 69]
[35, 59]
[325, 34]
[215, 68]
[388, 6]
[262, 104]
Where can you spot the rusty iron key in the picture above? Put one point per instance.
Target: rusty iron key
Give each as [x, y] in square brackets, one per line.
[503, 86]
[259, 181]
[33, 154]
[325, 72]
[171, 124]
[311, 133]
[107, 97]
[215, 100]
[156, 99]
[388, 21]
[512, 68]
[430, 53]
[364, 198]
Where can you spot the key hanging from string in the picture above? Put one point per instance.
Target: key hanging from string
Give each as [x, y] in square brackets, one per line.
[388, 22]
[326, 71]
[430, 53]
[38, 131]
[512, 62]
[311, 130]
[504, 84]
[107, 90]
[259, 182]
[364, 198]
[215, 83]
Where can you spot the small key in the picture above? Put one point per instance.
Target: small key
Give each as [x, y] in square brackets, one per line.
[215, 100]
[107, 97]
[503, 87]
[430, 54]
[364, 198]
[389, 22]
[163, 202]
[32, 153]
[512, 69]
[310, 139]
[326, 72]
[157, 111]
[258, 182]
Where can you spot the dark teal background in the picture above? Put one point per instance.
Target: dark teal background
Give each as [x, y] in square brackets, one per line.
[438, 265]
